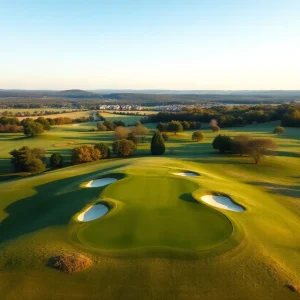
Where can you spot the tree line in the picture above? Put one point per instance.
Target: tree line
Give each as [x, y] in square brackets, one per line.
[228, 116]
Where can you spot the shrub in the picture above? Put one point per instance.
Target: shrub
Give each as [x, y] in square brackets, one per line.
[278, 130]
[157, 144]
[197, 136]
[56, 160]
[222, 143]
[70, 263]
[123, 148]
[85, 153]
[165, 136]
[104, 150]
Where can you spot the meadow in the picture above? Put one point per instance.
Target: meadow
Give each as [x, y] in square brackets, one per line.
[159, 240]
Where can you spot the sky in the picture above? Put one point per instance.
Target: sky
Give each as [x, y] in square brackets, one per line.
[158, 44]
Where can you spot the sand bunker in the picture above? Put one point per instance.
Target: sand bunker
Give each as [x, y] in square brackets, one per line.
[222, 202]
[100, 182]
[189, 174]
[93, 212]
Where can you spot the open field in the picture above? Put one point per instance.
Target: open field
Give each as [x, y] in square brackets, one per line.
[128, 119]
[158, 240]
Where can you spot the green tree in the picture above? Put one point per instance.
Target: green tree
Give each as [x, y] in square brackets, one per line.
[215, 128]
[109, 125]
[123, 148]
[157, 144]
[119, 123]
[56, 160]
[104, 150]
[44, 122]
[258, 148]
[32, 128]
[175, 126]
[278, 130]
[25, 159]
[197, 136]
[185, 125]
[222, 143]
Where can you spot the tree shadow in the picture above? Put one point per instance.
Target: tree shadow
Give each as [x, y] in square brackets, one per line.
[48, 206]
[285, 190]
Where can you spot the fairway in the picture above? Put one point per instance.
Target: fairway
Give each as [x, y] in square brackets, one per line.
[163, 204]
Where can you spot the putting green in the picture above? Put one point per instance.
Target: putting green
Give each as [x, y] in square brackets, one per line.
[157, 212]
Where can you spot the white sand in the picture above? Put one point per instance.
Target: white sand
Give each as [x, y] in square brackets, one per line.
[100, 182]
[93, 212]
[221, 202]
[189, 174]
[76, 124]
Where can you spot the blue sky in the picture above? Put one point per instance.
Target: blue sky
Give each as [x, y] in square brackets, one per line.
[221, 44]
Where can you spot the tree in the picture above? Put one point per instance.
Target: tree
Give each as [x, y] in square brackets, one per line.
[222, 143]
[175, 126]
[165, 136]
[119, 123]
[185, 125]
[131, 137]
[278, 130]
[123, 148]
[28, 160]
[109, 125]
[157, 144]
[215, 128]
[35, 166]
[240, 144]
[141, 131]
[101, 127]
[197, 136]
[56, 160]
[258, 148]
[85, 153]
[104, 150]
[121, 133]
[44, 122]
[32, 128]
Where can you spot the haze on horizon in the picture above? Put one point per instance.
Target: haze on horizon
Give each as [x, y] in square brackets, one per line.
[176, 45]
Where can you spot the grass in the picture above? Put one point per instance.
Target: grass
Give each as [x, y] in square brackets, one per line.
[157, 241]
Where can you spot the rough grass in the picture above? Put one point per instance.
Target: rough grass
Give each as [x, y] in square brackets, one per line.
[37, 216]
[70, 263]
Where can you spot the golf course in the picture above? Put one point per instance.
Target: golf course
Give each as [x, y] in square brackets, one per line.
[189, 224]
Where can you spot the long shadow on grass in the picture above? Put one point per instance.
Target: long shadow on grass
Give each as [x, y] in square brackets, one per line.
[48, 207]
[285, 190]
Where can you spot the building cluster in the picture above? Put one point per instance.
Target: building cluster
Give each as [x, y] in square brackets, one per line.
[120, 107]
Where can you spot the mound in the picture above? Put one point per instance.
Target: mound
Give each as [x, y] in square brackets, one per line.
[70, 263]
[222, 202]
